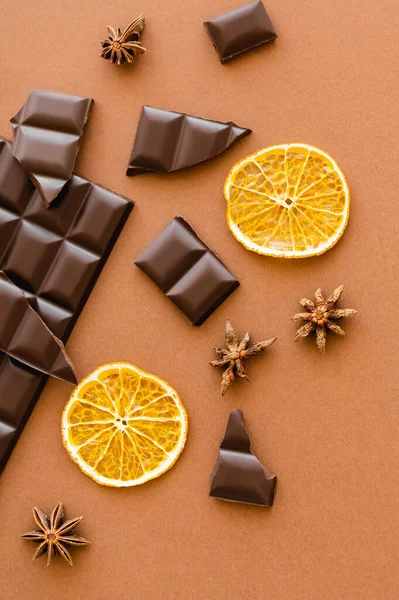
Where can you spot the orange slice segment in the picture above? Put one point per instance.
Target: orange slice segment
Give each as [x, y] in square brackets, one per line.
[289, 201]
[124, 426]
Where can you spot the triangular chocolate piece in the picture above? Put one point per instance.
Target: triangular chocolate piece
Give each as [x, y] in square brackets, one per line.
[168, 141]
[25, 337]
[239, 476]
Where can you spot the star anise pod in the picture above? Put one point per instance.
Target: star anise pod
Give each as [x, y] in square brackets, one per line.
[124, 47]
[53, 535]
[232, 357]
[321, 316]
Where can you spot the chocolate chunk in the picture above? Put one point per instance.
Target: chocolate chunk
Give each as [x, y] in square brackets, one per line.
[240, 30]
[25, 337]
[187, 271]
[54, 255]
[239, 476]
[168, 141]
[48, 131]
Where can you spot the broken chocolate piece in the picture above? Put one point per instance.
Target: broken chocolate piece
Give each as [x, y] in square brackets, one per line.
[187, 271]
[168, 141]
[25, 337]
[55, 256]
[239, 476]
[48, 131]
[240, 30]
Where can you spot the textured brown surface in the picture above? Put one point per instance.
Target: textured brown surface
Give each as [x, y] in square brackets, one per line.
[326, 425]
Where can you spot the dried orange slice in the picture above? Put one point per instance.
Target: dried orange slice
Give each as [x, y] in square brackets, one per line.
[124, 426]
[288, 201]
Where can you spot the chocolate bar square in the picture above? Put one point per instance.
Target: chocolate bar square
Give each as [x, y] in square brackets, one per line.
[187, 271]
[69, 275]
[240, 30]
[7, 435]
[17, 385]
[174, 251]
[30, 256]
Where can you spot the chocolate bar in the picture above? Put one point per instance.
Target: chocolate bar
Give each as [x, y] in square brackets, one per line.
[168, 141]
[238, 475]
[240, 30]
[187, 271]
[54, 255]
[25, 337]
[48, 131]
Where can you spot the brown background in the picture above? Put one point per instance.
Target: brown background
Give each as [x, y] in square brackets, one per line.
[324, 424]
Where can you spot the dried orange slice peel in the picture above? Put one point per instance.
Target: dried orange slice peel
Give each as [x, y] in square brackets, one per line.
[124, 426]
[289, 201]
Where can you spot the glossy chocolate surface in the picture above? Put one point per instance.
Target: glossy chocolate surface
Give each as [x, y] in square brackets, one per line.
[240, 30]
[239, 476]
[187, 271]
[20, 387]
[168, 141]
[54, 255]
[25, 337]
[47, 134]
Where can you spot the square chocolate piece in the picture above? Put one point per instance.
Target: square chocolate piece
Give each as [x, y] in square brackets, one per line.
[187, 271]
[240, 30]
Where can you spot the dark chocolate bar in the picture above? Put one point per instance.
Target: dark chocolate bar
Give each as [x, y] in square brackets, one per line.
[187, 271]
[25, 337]
[54, 255]
[48, 131]
[240, 30]
[168, 141]
[238, 475]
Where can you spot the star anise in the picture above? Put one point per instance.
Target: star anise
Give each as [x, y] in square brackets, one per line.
[53, 535]
[232, 358]
[124, 47]
[321, 316]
